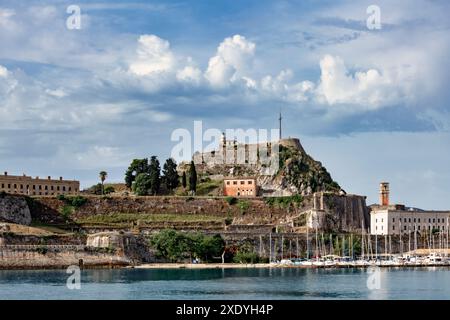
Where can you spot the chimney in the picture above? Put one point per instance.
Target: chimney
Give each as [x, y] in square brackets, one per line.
[60, 178]
[49, 177]
[6, 173]
[384, 193]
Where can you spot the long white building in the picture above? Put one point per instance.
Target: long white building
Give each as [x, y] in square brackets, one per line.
[386, 219]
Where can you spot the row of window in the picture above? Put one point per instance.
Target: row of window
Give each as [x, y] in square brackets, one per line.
[439, 220]
[418, 227]
[245, 192]
[35, 187]
[241, 182]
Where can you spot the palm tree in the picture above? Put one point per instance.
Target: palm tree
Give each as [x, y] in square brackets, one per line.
[103, 175]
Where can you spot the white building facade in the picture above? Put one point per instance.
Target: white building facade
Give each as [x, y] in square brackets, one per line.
[386, 221]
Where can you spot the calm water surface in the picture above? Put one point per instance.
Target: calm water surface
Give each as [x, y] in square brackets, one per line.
[392, 283]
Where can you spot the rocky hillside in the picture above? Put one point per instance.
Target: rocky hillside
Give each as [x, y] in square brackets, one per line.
[14, 209]
[298, 173]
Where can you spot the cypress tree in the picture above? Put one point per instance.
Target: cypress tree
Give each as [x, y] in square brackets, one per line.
[171, 178]
[192, 178]
[155, 175]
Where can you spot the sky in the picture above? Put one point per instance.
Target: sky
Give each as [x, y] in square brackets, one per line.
[371, 104]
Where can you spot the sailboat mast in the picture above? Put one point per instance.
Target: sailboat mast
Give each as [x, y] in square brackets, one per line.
[323, 248]
[390, 247]
[415, 240]
[353, 248]
[331, 244]
[409, 241]
[290, 248]
[307, 240]
[270, 247]
[362, 244]
[376, 247]
[446, 252]
[317, 244]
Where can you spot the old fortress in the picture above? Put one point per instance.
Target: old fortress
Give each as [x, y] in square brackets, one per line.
[232, 152]
[27, 185]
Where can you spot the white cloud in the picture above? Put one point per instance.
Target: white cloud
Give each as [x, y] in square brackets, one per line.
[371, 89]
[154, 56]
[219, 73]
[3, 72]
[7, 83]
[90, 158]
[282, 87]
[232, 65]
[5, 16]
[190, 74]
[230, 62]
[58, 93]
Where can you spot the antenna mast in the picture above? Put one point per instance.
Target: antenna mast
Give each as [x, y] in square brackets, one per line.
[279, 119]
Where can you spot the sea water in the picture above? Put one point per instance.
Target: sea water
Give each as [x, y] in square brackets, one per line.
[229, 284]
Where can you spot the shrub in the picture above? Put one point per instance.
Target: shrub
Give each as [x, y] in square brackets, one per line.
[246, 254]
[231, 200]
[77, 201]
[246, 257]
[109, 189]
[228, 221]
[243, 205]
[97, 189]
[66, 211]
[61, 197]
[284, 202]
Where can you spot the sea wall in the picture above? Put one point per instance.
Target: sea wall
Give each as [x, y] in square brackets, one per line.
[37, 257]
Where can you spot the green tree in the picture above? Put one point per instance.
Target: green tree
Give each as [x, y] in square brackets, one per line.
[170, 244]
[174, 245]
[136, 167]
[142, 184]
[103, 175]
[183, 180]
[171, 178]
[192, 178]
[109, 189]
[246, 254]
[155, 175]
[212, 247]
[98, 189]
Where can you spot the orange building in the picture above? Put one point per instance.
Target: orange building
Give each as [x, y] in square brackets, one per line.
[240, 187]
